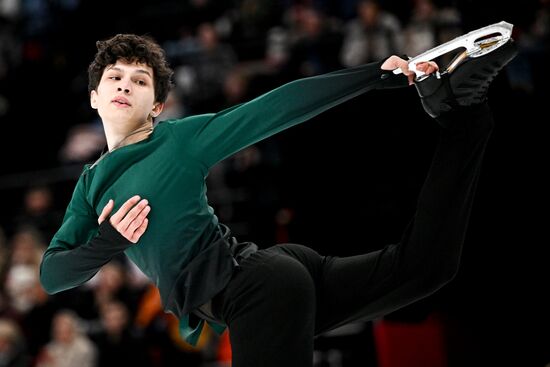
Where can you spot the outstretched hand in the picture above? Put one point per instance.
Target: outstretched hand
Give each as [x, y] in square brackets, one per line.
[130, 220]
[393, 62]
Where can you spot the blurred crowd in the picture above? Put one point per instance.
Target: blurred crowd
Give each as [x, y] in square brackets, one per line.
[223, 53]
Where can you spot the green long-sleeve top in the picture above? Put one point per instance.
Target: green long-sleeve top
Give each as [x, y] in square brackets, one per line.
[181, 251]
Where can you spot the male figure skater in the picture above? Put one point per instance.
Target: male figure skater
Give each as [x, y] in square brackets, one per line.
[146, 197]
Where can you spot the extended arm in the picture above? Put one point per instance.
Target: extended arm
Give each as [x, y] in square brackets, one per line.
[63, 268]
[220, 135]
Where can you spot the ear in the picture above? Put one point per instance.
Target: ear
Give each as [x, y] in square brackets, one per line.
[93, 99]
[157, 109]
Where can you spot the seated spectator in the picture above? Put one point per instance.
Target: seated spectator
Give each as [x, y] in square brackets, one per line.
[372, 36]
[69, 346]
[12, 346]
[118, 343]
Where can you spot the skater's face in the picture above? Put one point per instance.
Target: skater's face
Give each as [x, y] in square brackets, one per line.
[126, 94]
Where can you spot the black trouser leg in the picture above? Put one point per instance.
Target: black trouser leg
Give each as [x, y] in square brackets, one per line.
[269, 307]
[428, 255]
[285, 295]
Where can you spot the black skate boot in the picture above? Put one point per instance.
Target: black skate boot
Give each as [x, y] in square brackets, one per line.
[464, 82]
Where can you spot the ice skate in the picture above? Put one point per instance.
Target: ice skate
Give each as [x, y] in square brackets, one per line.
[466, 79]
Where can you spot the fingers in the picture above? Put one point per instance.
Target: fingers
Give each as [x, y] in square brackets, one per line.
[427, 67]
[131, 219]
[106, 211]
[404, 66]
[393, 62]
[124, 209]
[135, 217]
[139, 231]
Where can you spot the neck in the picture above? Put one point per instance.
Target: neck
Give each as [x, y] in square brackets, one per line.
[139, 133]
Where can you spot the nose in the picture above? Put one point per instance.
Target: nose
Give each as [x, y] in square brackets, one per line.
[126, 90]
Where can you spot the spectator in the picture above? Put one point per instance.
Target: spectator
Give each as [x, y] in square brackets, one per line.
[12, 346]
[84, 142]
[430, 26]
[203, 76]
[118, 343]
[69, 346]
[315, 48]
[373, 35]
[38, 212]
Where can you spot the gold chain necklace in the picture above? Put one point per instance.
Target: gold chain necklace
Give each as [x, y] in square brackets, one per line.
[149, 129]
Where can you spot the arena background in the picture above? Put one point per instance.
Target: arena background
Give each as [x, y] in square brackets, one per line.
[343, 183]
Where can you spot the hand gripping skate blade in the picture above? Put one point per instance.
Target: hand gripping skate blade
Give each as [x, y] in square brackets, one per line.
[477, 43]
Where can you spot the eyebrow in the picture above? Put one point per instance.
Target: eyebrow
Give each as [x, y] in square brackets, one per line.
[141, 71]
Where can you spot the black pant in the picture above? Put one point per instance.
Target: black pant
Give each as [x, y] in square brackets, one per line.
[284, 295]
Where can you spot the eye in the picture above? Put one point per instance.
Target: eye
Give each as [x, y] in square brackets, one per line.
[141, 82]
[114, 77]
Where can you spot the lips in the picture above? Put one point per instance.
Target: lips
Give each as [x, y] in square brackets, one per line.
[121, 101]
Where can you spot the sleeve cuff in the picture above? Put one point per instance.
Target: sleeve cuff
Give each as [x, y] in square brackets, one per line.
[109, 234]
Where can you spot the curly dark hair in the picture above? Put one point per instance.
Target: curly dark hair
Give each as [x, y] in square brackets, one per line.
[132, 48]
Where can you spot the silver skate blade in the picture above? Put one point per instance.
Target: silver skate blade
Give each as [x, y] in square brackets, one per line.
[477, 43]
